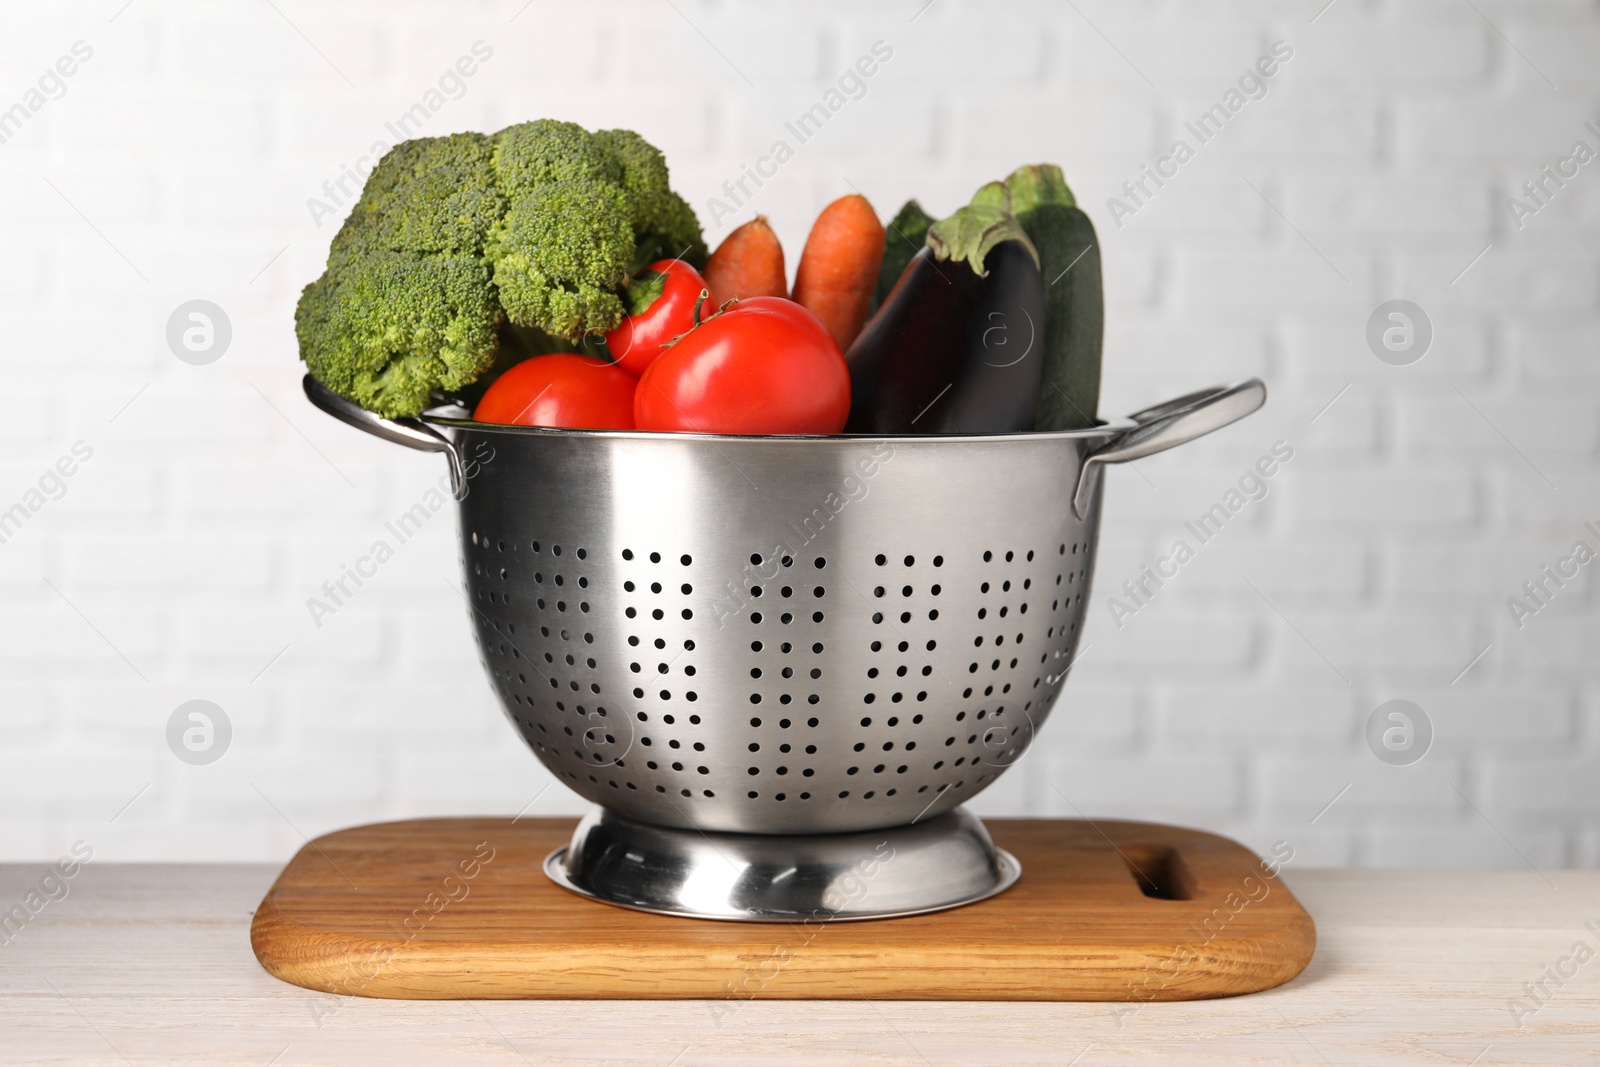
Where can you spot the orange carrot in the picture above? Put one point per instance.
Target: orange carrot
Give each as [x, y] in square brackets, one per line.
[748, 262]
[839, 267]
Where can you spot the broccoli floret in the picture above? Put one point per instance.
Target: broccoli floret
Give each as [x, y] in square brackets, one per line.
[678, 237]
[397, 325]
[587, 211]
[407, 304]
[541, 225]
[561, 257]
[437, 194]
[531, 154]
[664, 224]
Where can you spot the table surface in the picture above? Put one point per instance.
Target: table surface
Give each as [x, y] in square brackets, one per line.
[151, 964]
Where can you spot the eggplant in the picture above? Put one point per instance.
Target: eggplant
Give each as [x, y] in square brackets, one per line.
[956, 347]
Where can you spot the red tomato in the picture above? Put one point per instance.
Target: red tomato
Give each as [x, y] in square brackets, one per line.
[764, 366]
[561, 389]
[642, 337]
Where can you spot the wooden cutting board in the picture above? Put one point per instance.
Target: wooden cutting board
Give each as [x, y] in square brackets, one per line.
[459, 908]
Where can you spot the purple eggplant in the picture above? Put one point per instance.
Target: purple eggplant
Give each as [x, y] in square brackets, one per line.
[957, 346]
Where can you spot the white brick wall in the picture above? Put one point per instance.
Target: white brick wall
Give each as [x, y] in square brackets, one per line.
[178, 562]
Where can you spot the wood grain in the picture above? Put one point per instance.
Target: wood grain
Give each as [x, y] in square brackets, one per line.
[459, 908]
[150, 963]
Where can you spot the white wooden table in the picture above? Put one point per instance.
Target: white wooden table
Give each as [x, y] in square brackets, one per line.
[151, 964]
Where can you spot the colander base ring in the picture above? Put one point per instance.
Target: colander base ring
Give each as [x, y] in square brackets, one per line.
[942, 863]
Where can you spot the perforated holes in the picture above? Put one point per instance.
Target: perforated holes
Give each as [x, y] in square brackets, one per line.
[899, 665]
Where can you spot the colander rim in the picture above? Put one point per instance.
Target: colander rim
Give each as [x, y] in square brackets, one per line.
[1103, 430]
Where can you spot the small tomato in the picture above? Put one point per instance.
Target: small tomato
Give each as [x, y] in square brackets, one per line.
[561, 389]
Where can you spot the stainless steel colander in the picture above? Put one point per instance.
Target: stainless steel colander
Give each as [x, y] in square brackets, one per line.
[779, 635]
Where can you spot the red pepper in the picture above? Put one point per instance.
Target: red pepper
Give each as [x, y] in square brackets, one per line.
[663, 299]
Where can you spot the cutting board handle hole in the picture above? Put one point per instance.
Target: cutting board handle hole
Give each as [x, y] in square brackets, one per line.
[1159, 872]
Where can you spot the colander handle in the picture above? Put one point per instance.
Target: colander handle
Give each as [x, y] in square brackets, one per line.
[1167, 425]
[413, 433]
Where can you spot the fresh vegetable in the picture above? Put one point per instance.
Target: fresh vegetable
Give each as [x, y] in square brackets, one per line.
[955, 347]
[407, 304]
[993, 194]
[1074, 318]
[584, 211]
[517, 343]
[540, 225]
[562, 389]
[904, 237]
[661, 306]
[763, 366]
[748, 262]
[839, 268]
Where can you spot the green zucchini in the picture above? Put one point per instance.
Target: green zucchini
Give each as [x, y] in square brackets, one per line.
[903, 240]
[1074, 315]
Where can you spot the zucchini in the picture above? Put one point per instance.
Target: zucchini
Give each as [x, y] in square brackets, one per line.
[904, 238]
[1074, 316]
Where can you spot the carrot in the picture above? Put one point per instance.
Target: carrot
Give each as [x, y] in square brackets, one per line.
[748, 262]
[839, 267]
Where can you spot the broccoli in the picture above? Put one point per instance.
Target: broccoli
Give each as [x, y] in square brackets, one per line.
[540, 226]
[558, 258]
[664, 224]
[394, 326]
[586, 212]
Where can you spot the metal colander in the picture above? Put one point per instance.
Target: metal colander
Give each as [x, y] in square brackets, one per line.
[782, 635]
[780, 664]
[775, 636]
